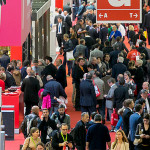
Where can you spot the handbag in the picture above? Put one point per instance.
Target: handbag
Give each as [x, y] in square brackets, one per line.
[97, 91]
[69, 56]
[114, 118]
[138, 141]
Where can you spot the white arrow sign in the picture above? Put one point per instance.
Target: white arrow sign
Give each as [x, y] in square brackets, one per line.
[133, 14]
[100, 15]
[136, 15]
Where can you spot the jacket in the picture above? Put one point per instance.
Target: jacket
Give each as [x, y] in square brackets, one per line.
[120, 95]
[67, 8]
[35, 122]
[126, 115]
[116, 33]
[134, 120]
[96, 53]
[146, 23]
[124, 146]
[68, 46]
[103, 34]
[143, 50]
[54, 88]
[30, 87]
[10, 81]
[23, 72]
[4, 60]
[68, 23]
[56, 18]
[80, 49]
[63, 28]
[132, 54]
[107, 49]
[113, 57]
[87, 93]
[61, 76]
[93, 33]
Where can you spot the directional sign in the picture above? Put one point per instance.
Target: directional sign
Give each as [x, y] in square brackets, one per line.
[119, 11]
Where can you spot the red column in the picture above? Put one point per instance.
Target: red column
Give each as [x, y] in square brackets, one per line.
[16, 53]
[59, 4]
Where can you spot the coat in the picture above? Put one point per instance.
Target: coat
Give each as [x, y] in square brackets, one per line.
[30, 87]
[56, 18]
[120, 95]
[110, 97]
[96, 53]
[134, 120]
[61, 76]
[103, 34]
[126, 115]
[68, 23]
[54, 88]
[87, 93]
[146, 23]
[10, 81]
[63, 28]
[67, 8]
[4, 60]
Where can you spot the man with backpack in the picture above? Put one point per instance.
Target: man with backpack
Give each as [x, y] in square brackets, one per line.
[31, 120]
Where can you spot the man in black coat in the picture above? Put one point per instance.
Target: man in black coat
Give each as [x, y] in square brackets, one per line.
[58, 16]
[5, 59]
[67, 8]
[107, 48]
[50, 69]
[30, 87]
[47, 126]
[68, 22]
[80, 132]
[103, 33]
[60, 31]
[61, 73]
[126, 115]
[93, 32]
[146, 24]
[10, 81]
[87, 95]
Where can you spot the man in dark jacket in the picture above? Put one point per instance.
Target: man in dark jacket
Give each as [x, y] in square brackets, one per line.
[93, 32]
[61, 73]
[87, 95]
[126, 115]
[5, 59]
[30, 87]
[47, 126]
[107, 48]
[67, 8]
[33, 118]
[67, 20]
[10, 81]
[80, 132]
[118, 68]
[55, 89]
[103, 33]
[58, 16]
[50, 69]
[26, 64]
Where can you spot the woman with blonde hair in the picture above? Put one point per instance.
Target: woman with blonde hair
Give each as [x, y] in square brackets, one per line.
[131, 34]
[32, 140]
[121, 142]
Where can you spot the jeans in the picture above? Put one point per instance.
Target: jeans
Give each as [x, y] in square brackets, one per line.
[101, 108]
[120, 123]
[54, 108]
[69, 64]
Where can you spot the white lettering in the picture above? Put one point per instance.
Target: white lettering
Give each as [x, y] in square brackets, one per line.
[131, 15]
[105, 15]
[119, 3]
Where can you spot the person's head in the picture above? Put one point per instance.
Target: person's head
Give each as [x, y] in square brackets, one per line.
[146, 119]
[81, 61]
[56, 9]
[14, 63]
[81, 22]
[99, 60]
[106, 57]
[28, 70]
[142, 56]
[142, 44]
[64, 128]
[120, 136]
[85, 117]
[26, 63]
[98, 41]
[145, 86]
[5, 52]
[118, 38]
[131, 28]
[40, 146]
[41, 62]
[3, 76]
[139, 63]
[87, 21]
[90, 23]
[121, 81]
[60, 11]
[111, 81]
[45, 112]
[34, 132]
[10, 68]
[82, 41]
[58, 62]
[142, 102]
[97, 118]
[35, 62]
[120, 60]
[93, 60]
[61, 109]
[93, 115]
[89, 76]
[72, 31]
[114, 28]
[83, 3]
[141, 31]
[90, 67]
[129, 103]
[49, 77]
[96, 74]
[66, 37]
[138, 108]
[144, 93]
[35, 110]
[48, 60]
[59, 19]
[31, 73]
[120, 76]
[131, 64]
[2, 70]
[65, 13]
[107, 43]
[19, 63]
[127, 75]
[118, 24]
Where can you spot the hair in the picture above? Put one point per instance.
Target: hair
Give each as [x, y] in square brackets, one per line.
[2, 69]
[56, 9]
[61, 106]
[79, 59]
[90, 66]
[60, 11]
[131, 64]
[118, 38]
[88, 76]
[14, 63]
[140, 62]
[41, 144]
[111, 80]
[106, 55]
[128, 73]
[66, 35]
[83, 114]
[32, 73]
[124, 138]
[143, 55]
[18, 61]
[93, 115]
[3, 76]
[107, 43]
[5, 52]
[35, 61]
[82, 2]
[121, 81]
[141, 43]
[120, 59]
[26, 63]
[127, 102]
[141, 101]
[82, 41]
[131, 28]
[97, 73]
[44, 109]
[141, 31]
[49, 58]
[33, 130]
[138, 107]
[98, 117]
[64, 124]
[146, 116]
[10, 68]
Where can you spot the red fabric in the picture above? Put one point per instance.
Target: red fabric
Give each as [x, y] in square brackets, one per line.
[114, 118]
[132, 54]
[2, 84]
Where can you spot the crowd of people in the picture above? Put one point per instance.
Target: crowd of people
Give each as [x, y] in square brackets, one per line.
[110, 76]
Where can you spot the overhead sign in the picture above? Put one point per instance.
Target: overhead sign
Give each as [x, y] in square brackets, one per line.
[119, 11]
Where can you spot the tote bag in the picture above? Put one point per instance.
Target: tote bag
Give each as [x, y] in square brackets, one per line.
[69, 56]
